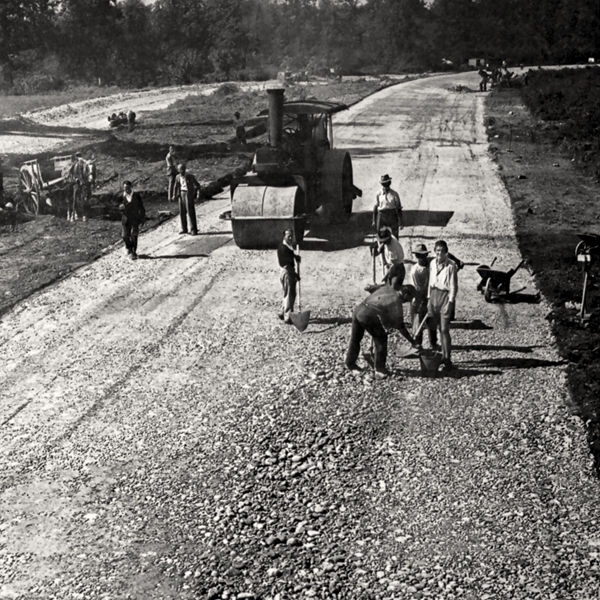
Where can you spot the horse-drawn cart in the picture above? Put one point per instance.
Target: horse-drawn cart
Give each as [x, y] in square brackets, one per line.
[35, 190]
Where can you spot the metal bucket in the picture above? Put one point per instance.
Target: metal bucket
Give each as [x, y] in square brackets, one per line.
[430, 363]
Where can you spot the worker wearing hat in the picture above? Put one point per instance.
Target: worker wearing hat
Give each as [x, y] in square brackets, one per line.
[387, 211]
[392, 258]
[419, 278]
[376, 315]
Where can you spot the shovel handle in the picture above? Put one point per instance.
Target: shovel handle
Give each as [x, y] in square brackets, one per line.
[299, 297]
[420, 327]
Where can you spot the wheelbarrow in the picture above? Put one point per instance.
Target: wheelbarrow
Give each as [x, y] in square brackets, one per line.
[495, 283]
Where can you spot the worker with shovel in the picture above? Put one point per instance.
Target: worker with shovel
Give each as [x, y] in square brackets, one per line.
[288, 276]
[376, 315]
[392, 258]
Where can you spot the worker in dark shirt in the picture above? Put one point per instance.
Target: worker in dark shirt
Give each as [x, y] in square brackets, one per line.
[376, 315]
[288, 277]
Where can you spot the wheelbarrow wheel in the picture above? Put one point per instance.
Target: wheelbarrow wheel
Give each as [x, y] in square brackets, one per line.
[487, 292]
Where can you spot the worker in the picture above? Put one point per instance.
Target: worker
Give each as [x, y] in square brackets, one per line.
[441, 294]
[392, 258]
[419, 277]
[387, 211]
[376, 315]
[77, 179]
[171, 160]
[240, 128]
[484, 79]
[287, 258]
[133, 214]
[187, 189]
[130, 120]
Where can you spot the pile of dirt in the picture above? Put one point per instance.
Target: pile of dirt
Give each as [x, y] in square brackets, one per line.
[553, 202]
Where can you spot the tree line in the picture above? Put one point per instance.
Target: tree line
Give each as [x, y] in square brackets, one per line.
[45, 44]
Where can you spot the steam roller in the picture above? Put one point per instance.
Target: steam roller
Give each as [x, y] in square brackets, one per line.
[294, 180]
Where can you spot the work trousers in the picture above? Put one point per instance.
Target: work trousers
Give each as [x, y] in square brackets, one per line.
[395, 275]
[130, 232]
[187, 211]
[388, 217]
[288, 278]
[172, 177]
[364, 318]
[438, 308]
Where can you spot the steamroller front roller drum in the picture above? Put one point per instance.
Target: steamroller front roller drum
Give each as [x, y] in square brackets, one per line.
[337, 186]
[260, 214]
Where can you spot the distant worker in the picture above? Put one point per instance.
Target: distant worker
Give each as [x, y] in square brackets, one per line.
[130, 120]
[287, 257]
[484, 79]
[133, 215]
[240, 128]
[171, 160]
[443, 287]
[392, 258]
[376, 315]
[387, 211]
[77, 179]
[187, 189]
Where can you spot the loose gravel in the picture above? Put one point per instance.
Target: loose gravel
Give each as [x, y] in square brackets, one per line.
[164, 435]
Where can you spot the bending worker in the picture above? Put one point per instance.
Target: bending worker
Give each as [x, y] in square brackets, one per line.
[376, 315]
[392, 258]
[387, 211]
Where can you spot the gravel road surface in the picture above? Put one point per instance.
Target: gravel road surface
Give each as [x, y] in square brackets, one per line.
[164, 435]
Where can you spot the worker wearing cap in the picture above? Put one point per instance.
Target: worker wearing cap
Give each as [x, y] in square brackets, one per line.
[442, 290]
[186, 190]
[392, 258]
[288, 277]
[376, 315]
[387, 211]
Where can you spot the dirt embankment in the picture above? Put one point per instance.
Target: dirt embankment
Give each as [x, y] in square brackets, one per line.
[553, 201]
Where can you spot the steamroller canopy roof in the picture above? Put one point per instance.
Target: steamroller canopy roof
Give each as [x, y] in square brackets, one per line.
[309, 107]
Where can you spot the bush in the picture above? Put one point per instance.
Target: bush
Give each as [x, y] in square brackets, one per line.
[37, 84]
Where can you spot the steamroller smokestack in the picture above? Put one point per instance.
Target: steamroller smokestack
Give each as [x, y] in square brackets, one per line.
[275, 116]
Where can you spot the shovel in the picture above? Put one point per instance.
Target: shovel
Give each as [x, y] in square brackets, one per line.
[407, 351]
[300, 319]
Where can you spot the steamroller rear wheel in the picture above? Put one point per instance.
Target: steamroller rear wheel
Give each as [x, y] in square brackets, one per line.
[337, 189]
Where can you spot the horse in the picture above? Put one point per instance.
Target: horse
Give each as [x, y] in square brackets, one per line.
[82, 176]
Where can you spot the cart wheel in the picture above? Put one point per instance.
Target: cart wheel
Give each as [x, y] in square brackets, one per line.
[30, 191]
[487, 293]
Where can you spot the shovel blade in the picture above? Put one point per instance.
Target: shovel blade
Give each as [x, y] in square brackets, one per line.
[300, 320]
[407, 351]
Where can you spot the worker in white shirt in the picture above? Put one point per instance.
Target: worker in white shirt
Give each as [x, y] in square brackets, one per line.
[443, 287]
[387, 211]
[392, 258]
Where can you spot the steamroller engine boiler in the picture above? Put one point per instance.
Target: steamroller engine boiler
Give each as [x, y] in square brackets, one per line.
[299, 176]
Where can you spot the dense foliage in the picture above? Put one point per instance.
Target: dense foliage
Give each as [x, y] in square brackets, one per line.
[44, 43]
